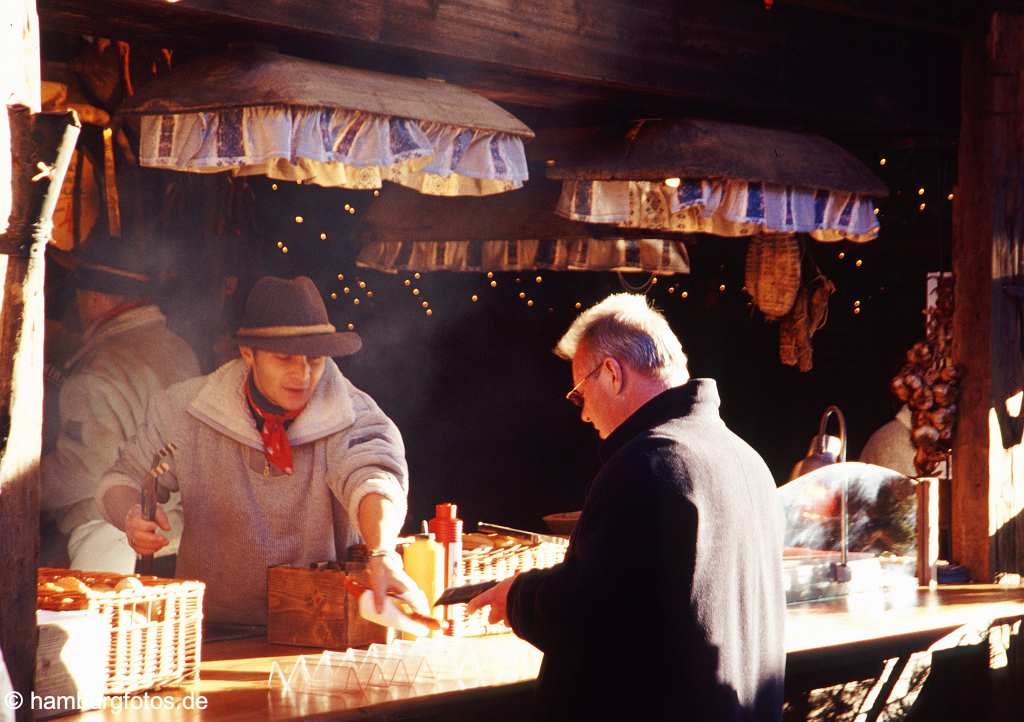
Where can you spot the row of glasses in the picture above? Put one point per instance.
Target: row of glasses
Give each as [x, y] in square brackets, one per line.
[439, 662]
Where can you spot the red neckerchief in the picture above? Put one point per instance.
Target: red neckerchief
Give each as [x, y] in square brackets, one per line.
[115, 312]
[273, 433]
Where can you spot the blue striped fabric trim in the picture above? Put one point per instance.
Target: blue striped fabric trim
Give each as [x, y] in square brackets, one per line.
[500, 169]
[348, 138]
[690, 192]
[166, 145]
[847, 213]
[724, 207]
[755, 203]
[459, 146]
[229, 134]
[820, 204]
[326, 119]
[400, 140]
[522, 255]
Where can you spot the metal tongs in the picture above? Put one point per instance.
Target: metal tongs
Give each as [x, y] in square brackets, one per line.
[531, 537]
[151, 494]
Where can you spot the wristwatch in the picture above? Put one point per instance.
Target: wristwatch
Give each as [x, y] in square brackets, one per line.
[382, 552]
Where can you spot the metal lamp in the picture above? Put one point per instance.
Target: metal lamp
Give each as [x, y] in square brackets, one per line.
[824, 450]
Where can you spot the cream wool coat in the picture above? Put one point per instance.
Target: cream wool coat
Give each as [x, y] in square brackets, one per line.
[242, 515]
[109, 383]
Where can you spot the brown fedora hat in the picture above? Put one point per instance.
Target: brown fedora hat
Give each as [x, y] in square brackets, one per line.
[288, 316]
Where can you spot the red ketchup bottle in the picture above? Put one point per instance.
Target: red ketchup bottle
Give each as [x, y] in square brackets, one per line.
[447, 529]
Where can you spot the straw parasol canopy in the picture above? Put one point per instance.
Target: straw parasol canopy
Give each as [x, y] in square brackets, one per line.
[692, 175]
[512, 232]
[252, 110]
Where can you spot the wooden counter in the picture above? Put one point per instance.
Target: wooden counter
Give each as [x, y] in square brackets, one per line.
[842, 639]
[234, 684]
[864, 619]
[825, 641]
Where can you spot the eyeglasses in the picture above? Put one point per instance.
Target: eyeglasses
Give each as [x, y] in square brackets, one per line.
[574, 395]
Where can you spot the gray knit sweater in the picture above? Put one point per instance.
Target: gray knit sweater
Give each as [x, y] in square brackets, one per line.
[242, 515]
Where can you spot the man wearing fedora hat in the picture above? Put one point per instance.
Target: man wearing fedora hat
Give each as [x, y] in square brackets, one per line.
[280, 460]
[128, 355]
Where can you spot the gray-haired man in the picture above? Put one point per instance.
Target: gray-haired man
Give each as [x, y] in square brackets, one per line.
[670, 601]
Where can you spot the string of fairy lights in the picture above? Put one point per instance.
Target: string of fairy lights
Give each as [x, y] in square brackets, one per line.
[351, 295]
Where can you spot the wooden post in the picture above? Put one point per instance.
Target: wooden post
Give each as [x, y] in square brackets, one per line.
[927, 530]
[41, 148]
[19, 83]
[988, 258]
[19, 480]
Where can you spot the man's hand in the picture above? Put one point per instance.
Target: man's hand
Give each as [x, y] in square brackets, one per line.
[387, 575]
[142, 534]
[379, 523]
[496, 598]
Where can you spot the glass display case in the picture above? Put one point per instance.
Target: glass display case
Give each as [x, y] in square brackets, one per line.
[881, 536]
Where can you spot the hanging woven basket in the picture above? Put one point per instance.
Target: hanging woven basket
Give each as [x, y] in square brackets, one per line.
[773, 273]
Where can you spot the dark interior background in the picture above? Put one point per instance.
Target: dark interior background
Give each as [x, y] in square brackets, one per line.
[478, 393]
[475, 388]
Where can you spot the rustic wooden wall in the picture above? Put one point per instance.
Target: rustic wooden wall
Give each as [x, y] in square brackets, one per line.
[988, 474]
[1006, 452]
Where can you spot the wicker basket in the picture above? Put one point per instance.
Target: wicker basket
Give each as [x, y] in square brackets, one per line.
[484, 565]
[772, 273]
[156, 624]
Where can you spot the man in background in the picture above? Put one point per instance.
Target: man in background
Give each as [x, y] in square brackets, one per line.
[670, 602]
[127, 355]
[890, 445]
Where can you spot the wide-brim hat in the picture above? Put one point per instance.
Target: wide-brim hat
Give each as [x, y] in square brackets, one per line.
[108, 265]
[288, 316]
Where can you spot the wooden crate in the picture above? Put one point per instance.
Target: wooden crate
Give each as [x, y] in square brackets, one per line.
[310, 608]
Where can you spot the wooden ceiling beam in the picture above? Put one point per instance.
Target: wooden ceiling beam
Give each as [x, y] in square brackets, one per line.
[661, 56]
[944, 17]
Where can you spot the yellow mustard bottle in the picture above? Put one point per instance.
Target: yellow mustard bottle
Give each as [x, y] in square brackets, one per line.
[424, 562]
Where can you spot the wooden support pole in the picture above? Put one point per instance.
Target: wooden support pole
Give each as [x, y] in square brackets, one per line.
[19, 83]
[988, 257]
[927, 530]
[41, 148]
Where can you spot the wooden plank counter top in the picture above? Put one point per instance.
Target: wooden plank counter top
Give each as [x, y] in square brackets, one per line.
[234, 687]
[822, 638]
[867, 619]
[848, 638]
